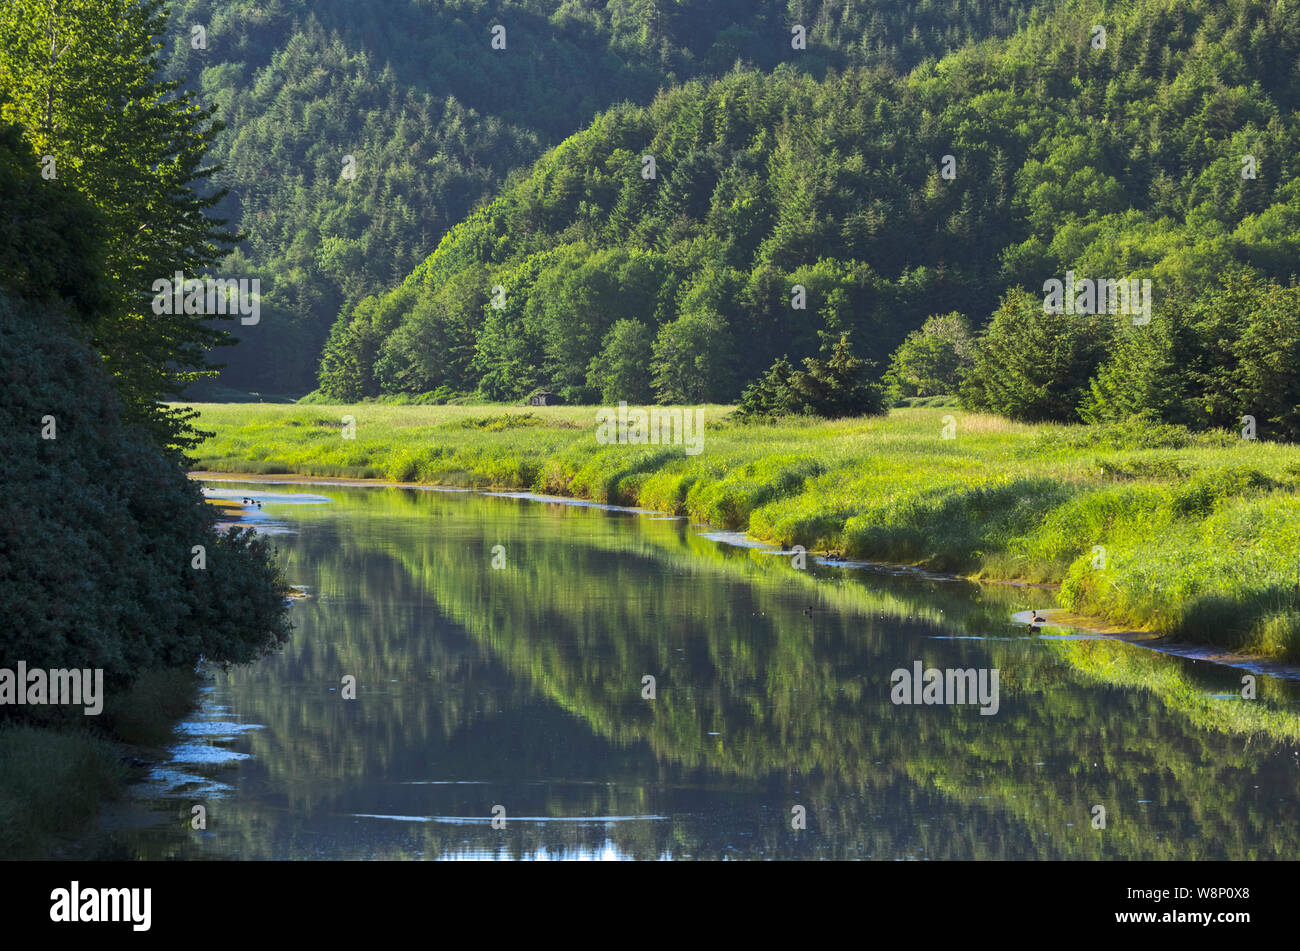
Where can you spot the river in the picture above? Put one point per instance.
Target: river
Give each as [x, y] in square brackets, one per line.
[502, 707]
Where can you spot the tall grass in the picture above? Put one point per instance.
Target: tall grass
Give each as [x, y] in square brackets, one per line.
[51, 783]
[1150, 527]
[57, 766]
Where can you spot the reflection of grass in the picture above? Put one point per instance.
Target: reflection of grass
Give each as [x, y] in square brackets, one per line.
[781, 700]
[1113, 663]
[791, 695]
[1152, 527]
[956, 607]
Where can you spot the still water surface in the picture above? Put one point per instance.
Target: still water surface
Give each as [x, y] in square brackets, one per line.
[521, 687]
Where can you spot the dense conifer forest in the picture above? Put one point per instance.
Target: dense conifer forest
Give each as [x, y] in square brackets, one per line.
[436, 118]
[784, 209]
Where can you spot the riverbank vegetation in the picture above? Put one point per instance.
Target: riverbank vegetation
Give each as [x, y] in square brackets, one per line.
[110, 561]
[56, 769]
[1193, 535]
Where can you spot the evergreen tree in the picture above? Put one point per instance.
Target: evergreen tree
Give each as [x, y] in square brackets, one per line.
[621, 371]
[1033, 364]
[831, 388]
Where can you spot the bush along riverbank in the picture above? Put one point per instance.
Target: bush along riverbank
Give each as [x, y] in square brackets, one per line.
[1147, 526]
[114, 574]
[111, 567]
[110, 564]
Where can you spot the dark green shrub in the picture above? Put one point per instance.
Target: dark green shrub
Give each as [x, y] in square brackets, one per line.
[831, 388]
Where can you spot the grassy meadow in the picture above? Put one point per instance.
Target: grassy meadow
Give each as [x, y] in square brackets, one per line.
[1145, 526]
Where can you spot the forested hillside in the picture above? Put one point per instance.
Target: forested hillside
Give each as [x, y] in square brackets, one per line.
[435, 117]
[1167, 150]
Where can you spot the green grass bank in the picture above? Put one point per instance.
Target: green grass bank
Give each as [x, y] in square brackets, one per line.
[1196, 536]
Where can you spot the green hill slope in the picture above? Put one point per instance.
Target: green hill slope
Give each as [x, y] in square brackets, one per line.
[435, 117]
[1127, 160]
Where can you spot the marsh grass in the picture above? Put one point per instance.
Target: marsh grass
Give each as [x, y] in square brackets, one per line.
[51, 783]
[58, 766]
[1199, 533]
[146, 714]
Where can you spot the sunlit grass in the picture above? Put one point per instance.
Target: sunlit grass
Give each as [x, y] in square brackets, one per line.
[1149, 527]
